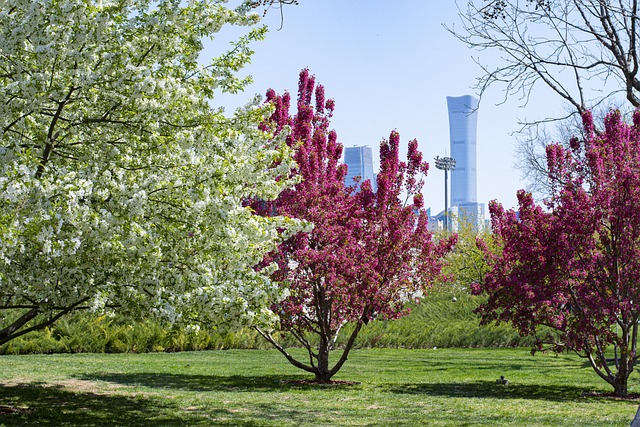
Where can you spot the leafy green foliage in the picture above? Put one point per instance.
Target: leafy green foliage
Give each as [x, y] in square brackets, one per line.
[436, 322]
[93, 333]
[466, 263]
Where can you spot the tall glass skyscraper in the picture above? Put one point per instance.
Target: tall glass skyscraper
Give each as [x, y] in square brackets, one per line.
[359, 161]
[463, 121]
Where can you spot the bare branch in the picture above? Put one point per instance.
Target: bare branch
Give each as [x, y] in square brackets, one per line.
[284, 352]
[13, 330]
[539, 42]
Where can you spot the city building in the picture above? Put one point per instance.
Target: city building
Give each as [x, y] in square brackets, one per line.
[359, 161]
[463, 121]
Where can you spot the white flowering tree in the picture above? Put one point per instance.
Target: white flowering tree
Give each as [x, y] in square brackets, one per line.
[120, 186]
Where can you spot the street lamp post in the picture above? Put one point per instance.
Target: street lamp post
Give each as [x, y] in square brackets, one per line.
[446, 164]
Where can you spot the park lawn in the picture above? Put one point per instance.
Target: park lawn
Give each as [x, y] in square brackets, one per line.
[395, 387]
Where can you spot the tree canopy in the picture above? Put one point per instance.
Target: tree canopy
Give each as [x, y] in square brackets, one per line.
[573, 265]
[369, 252]
[120, 185]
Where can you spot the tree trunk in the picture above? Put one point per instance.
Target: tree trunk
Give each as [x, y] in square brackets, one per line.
[622, 374]
[618, 374]
[620, 386]
[319, 360]
[617, 378]
[323, 376]
[323, 373]
[624, 364]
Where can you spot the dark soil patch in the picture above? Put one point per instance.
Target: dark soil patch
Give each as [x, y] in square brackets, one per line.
[314, 382]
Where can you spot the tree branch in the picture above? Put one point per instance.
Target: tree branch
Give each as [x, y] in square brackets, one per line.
[52, 134]
[284, 352]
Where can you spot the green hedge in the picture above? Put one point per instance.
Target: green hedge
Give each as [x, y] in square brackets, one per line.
[441, 321]
[437, 322]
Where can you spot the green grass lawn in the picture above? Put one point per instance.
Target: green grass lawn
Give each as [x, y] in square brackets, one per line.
[444, 387]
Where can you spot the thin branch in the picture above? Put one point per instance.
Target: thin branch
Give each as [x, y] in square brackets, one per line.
[52, 134]
[347, 348]
[12, 331]
[284, 352]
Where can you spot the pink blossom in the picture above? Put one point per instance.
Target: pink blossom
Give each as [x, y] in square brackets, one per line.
[368, 253]
[574, 267]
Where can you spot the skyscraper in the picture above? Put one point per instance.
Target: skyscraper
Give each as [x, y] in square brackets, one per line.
[463, 120]
[359, 161]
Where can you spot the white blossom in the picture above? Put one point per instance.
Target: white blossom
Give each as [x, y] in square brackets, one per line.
[120, 184]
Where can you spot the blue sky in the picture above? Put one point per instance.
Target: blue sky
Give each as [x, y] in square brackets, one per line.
[391, 65]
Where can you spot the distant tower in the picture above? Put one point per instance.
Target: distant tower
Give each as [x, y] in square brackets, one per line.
[359, 161]
[463, 121]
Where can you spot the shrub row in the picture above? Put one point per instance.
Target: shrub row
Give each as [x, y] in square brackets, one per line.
[439, 321]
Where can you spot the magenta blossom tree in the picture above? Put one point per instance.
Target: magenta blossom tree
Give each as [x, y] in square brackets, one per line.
[368, 253]
[574, 264]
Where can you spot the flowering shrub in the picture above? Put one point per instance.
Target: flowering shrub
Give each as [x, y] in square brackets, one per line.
[574, 264]
[120, 186]
[368, 253]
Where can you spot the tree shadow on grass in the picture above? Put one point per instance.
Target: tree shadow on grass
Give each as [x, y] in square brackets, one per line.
[480, 365]
[488, 389]
[36, 404]
[203, 383]
[610, 361]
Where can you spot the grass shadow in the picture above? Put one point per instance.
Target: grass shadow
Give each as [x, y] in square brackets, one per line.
[203, 383]
[55, 406]
[44, 404]
[488, 389]
[480, 365]
[610, 361]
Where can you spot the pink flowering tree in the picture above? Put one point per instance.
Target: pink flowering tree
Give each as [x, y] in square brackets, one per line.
[368, 252]
[574, 264]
